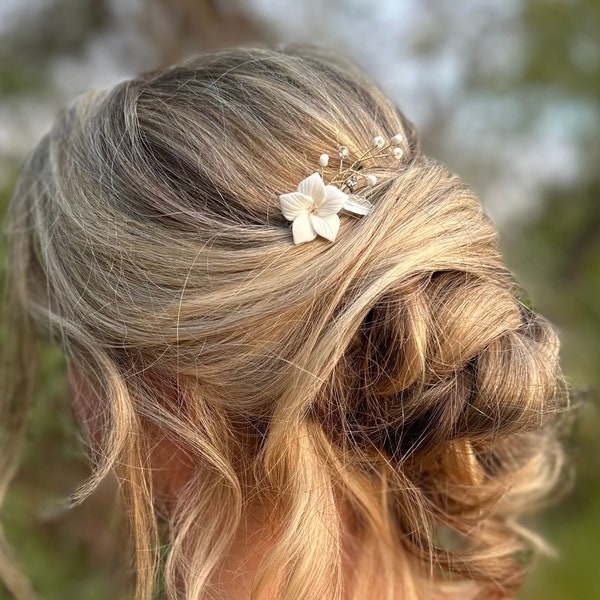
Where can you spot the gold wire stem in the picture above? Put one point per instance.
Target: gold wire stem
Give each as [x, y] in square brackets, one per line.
[343, 173]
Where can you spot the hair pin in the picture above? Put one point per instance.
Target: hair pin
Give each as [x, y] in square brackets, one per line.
[313, 208]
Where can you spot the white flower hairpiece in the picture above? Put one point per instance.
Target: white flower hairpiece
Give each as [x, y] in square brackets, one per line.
[313, 208]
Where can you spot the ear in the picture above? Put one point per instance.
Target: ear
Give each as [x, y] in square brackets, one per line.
[171, 466]
[87, 406]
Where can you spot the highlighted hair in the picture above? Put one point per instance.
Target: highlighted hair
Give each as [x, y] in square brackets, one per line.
[393, 377]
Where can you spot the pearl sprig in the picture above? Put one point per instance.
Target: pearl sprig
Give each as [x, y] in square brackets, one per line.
[349, 176]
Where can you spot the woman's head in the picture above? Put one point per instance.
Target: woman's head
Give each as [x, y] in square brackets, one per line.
[393, 372]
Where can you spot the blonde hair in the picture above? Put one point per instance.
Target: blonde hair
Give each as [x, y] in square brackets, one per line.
[394, 371]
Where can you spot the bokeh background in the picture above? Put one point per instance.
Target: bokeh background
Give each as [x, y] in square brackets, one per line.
[506, 92]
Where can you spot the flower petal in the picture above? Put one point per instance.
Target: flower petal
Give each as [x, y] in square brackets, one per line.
[302, 229]
[334, 200]
[314, 187]
[326, 227]
[294, 204]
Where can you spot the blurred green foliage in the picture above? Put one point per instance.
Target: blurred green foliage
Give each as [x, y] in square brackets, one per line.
[55, 28]
[76, 554]
[558, 255]
[68, 553]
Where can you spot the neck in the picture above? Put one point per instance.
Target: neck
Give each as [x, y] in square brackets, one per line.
[233, 579]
